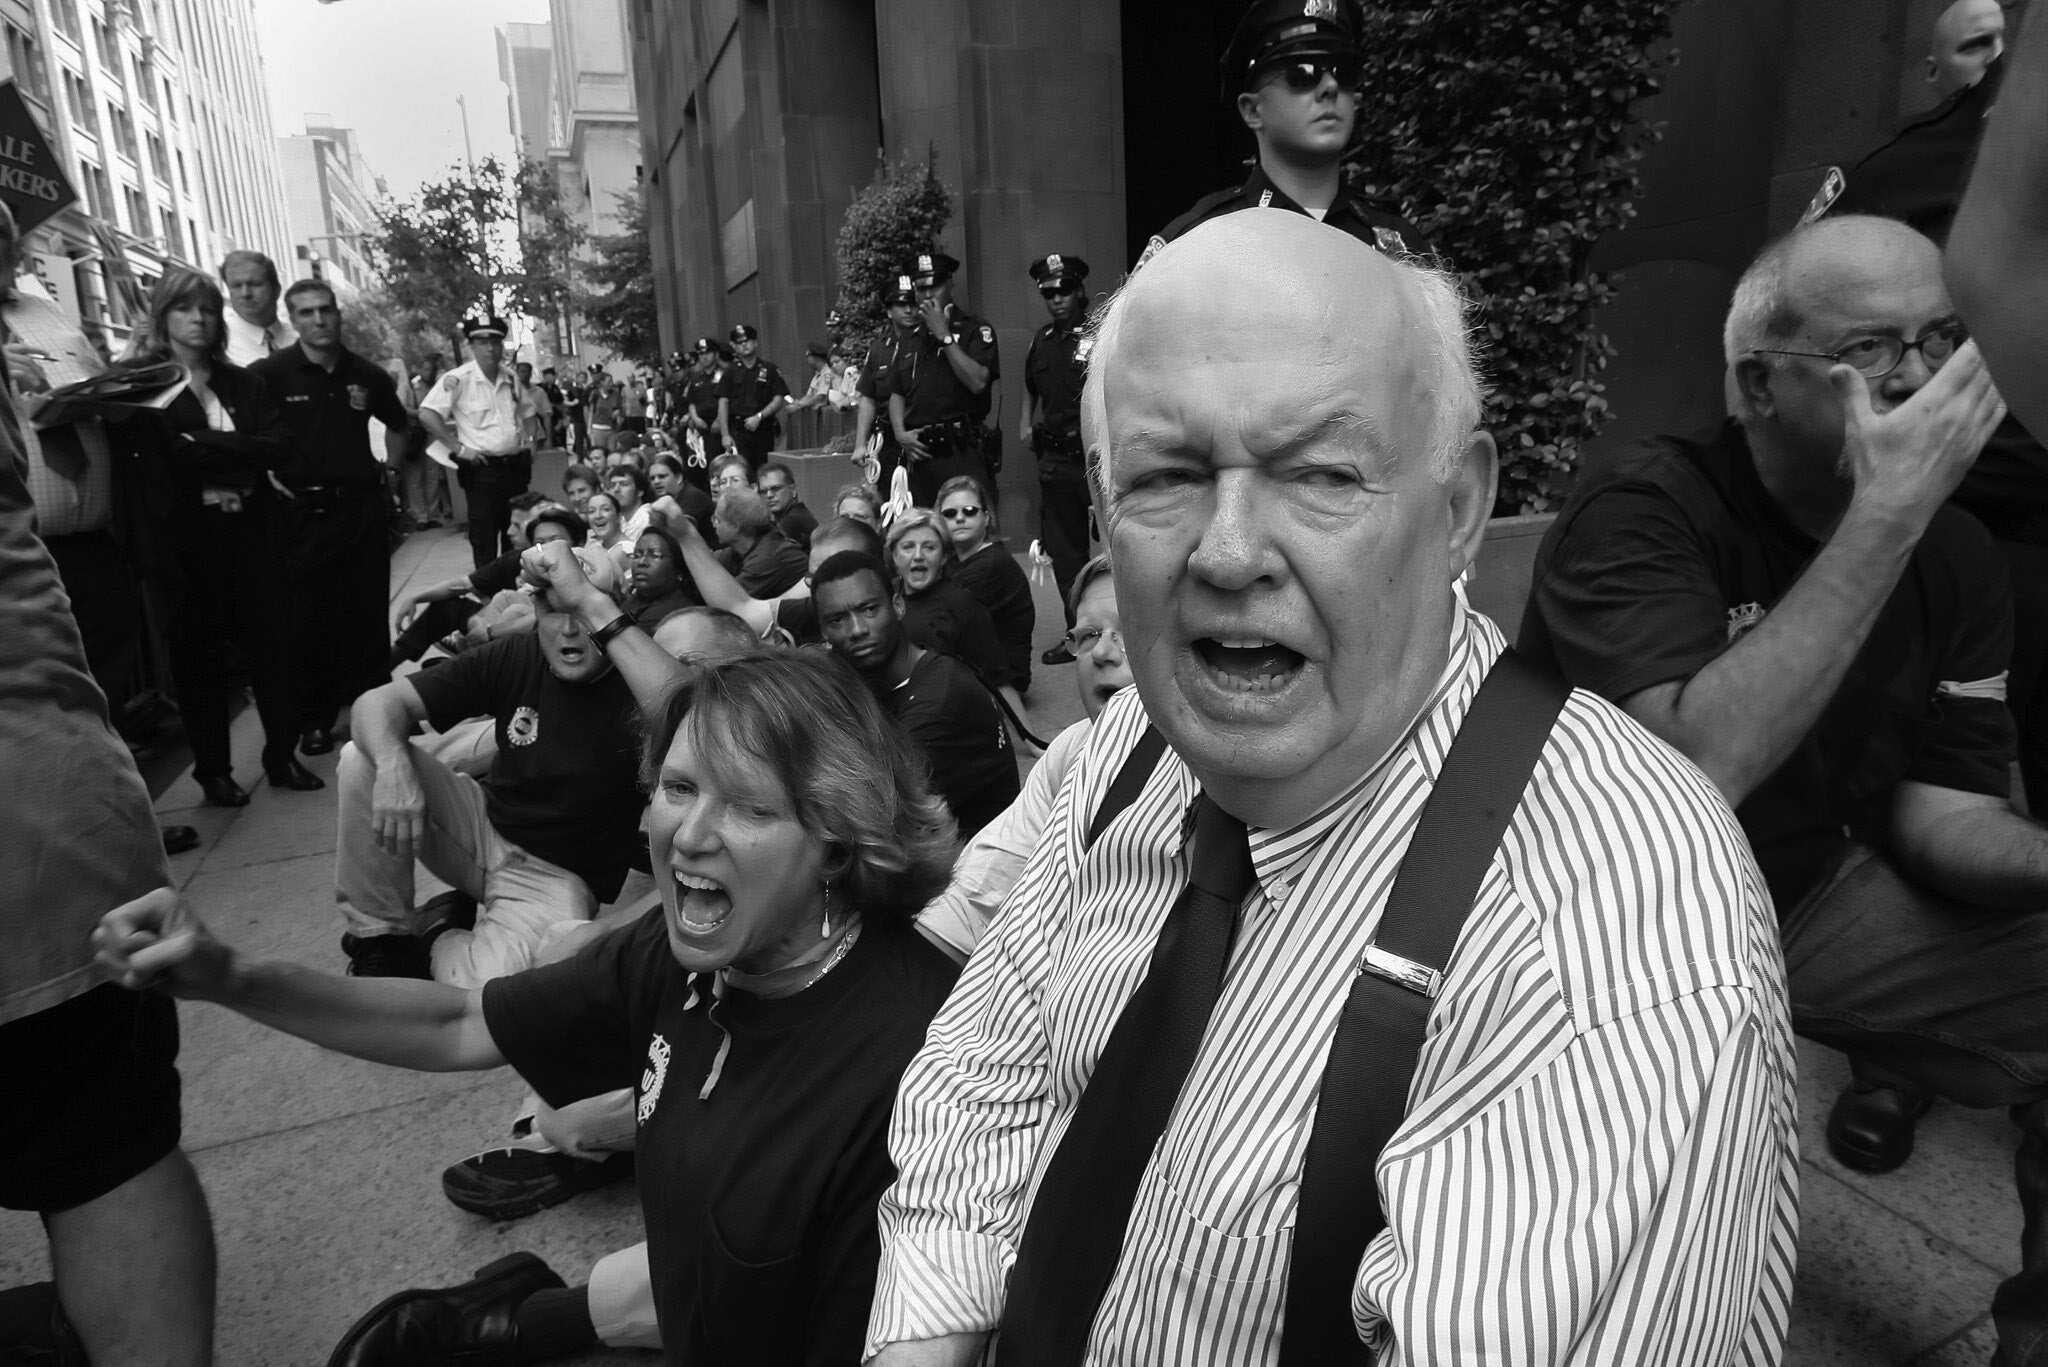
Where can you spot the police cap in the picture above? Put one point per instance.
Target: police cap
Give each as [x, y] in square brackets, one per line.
[743, 332]
[932, 268]
[1276, 31]
[479, 323]
[902, 292]
[1058, 269]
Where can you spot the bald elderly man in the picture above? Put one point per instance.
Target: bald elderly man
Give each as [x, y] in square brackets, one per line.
[1798, 608]
[1597, 1162]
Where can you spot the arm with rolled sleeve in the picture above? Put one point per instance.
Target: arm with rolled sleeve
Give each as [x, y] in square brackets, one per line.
[969, 1121]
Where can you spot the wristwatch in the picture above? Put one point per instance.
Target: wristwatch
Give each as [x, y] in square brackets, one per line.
[949, 339]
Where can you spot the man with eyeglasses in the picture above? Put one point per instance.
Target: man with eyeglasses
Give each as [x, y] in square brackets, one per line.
[1054, 369]
[1294, 68]
[1796, 605]
[777, 486]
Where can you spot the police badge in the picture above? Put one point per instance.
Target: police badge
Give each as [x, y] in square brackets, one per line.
[1320, 9]
[358, 397]
[1389, 241]
[1824, 198]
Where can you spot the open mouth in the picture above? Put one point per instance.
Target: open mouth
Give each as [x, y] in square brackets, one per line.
[1248, 664]
[701, 904]
[572, 655]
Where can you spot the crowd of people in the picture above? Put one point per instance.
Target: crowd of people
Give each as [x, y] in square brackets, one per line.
[1345, 984]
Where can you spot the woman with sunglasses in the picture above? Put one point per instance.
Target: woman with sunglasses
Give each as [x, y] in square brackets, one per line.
[1295, 78]
[983, 565]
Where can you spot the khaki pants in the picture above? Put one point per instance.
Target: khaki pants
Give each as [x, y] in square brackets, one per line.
[519, 895]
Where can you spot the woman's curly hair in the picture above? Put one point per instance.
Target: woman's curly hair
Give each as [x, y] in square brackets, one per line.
[852, 778]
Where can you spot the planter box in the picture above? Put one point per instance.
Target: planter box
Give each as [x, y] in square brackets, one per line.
[1499, 586]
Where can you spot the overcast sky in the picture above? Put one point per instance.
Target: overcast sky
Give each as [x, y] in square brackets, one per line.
[391, 69]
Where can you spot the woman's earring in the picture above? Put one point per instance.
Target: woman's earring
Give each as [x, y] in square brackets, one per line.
[826, 932]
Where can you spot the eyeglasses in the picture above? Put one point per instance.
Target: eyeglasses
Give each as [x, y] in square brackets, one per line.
[1083, 640]
[961, 514]
[1303, 77]
[1876, 357]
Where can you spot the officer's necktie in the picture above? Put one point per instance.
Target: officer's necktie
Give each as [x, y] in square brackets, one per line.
[1075, 1231]
[269, 342]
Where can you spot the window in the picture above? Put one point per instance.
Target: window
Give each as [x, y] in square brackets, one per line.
[109, 49]
[85, 111]
[145, 79]
[25, 59]
[65, 12]
[95, 182]
[170, 105]
[173, 241]
[158, 162]
[184, 179]
[138, 211]
[124, 130]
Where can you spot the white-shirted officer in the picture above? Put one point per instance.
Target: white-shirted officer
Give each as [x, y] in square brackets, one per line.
[487, 420]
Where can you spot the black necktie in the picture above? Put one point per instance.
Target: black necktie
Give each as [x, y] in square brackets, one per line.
[1075, 1231]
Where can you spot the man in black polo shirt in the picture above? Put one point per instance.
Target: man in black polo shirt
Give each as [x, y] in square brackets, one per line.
[1053, 372]
[777, 484]
[1794, 605]
[936, 699]
[938, 387]
[338, 554]
[754, 393]
[702, 392]
[1293, 69]
[541, 841]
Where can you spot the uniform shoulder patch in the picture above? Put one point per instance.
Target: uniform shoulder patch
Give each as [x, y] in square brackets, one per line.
[988, 334]
[1389, 241]
[1831, 187]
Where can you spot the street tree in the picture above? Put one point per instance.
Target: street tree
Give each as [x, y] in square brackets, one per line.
[619, 309]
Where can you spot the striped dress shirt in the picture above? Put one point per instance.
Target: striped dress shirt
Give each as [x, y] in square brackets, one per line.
[1599, 1161]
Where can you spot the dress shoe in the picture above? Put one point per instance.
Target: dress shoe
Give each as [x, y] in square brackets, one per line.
[1871, 1126]
[1058, 655]
[511, 1183]
[293, 775]
[316, 740]
[178, 839]
[471, 1324]
[222, 791]
[387, 956]
[454, 908]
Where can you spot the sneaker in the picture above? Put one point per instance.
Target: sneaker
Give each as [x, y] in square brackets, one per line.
[510, 1183]
[386, 956]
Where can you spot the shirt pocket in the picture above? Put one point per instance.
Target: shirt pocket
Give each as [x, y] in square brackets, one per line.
[750, 1312]
[1207, 1255]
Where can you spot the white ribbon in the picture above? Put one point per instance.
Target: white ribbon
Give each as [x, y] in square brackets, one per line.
[1041, 564]
[900, 501]
[696, 448]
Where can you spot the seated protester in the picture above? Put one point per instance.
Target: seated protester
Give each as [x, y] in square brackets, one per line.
[791, 616]
[777, 483]
[994, 859]
[628, 488]
[601, 511]
[756, 553]
[542, 839]
[1792, 605]
[658, 584]
[619, 1298]
[666, 481]
[859, 500]
[729, 472]
[780, 982]
[939, 610]
[579, 482]
[434, 614]
[983, 565]
[938, 700]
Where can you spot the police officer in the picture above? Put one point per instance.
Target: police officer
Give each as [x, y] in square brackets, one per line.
[702, 392]
[939, 386]
[1294, 68]
[754, 393]
[902, 333]
[336, 550]
[487, 419]
[1053, 371]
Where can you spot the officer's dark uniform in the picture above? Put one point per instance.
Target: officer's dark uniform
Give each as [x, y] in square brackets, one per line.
[1272, 33]
[874, 370]
[1918, 178]
[749, 389]
[947, 416]
[1054, 369]
[700, 396]
[337, 550]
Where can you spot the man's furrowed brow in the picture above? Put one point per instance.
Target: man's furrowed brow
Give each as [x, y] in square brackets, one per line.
[1340, 427]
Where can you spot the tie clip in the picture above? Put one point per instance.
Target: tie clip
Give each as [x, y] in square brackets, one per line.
[1403, 972]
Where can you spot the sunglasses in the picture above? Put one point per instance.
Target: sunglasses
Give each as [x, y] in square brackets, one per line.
[1057, 291]
[1303, 77]
[962, 514]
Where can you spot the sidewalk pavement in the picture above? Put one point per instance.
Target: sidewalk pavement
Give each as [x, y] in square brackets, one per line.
[324, 1172]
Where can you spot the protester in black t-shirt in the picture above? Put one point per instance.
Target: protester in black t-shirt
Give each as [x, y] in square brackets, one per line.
[546, 837]
[755, 551]
[984, 567]
[659, 584]
[935, 698]
[1792, 605]
[939, 610]
[766, 1012]
[435, 612]
[777, 485]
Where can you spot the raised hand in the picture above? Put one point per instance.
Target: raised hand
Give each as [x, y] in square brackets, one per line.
[1907, 462]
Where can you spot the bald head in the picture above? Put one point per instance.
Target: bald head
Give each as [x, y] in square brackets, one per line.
[1968, 37]
[1821, 265]
[1245, 286]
